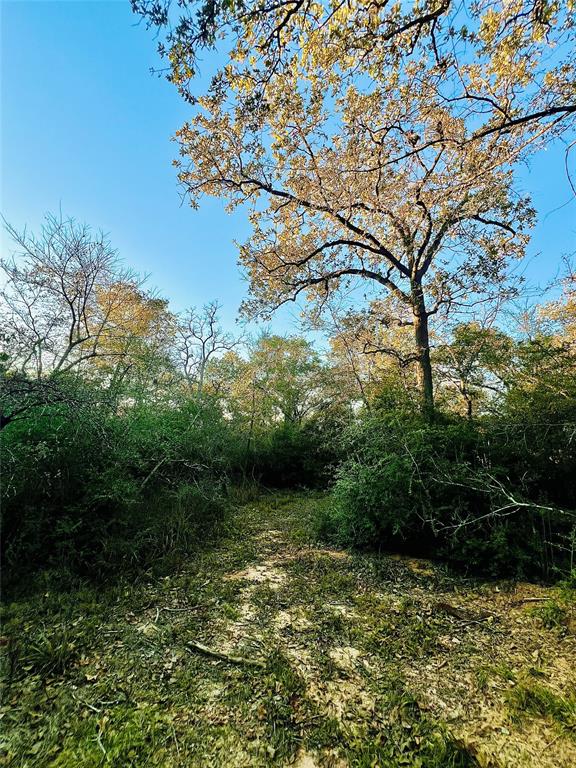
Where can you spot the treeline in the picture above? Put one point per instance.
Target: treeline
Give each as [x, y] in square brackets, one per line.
[124, 426]
[127, 430]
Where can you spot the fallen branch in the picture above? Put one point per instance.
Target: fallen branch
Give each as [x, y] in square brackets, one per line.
[186, 607]
[461, 613]
[153, 471]
[85, 704]
[199, 648]
[531, 600]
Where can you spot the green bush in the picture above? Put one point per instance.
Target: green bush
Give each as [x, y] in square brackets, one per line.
[298, 455]
[470, 492]
[97, 492]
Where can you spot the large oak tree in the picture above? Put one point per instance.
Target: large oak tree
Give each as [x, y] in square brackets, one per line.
[332, 205]
[506, 66]
[373, 141]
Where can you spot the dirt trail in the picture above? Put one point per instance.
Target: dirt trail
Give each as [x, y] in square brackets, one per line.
[374, 657]
[326, 659]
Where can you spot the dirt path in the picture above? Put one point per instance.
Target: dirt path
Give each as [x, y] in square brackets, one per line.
[334, 660]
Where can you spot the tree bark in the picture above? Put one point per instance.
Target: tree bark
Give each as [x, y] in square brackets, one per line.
[201, 380]
[422, 339]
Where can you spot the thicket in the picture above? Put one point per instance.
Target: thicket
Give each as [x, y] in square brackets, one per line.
[493, 495]
[91, 492]
[299, 455]
[91, 489]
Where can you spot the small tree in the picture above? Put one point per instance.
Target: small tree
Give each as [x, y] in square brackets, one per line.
[57, 311]
[199, 339]
[289, 378]
[135, 347]
[476, 362]
[372, 354]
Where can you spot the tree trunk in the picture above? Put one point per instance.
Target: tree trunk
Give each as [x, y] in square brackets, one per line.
[424, 366]
[469, 406]
[200, 380]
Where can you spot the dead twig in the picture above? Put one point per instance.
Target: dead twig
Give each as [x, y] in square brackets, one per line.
[185, 608]
[554, 740]
[199, 648]
[530, 600]
[85, 704]
[99, 742]
[461, 613]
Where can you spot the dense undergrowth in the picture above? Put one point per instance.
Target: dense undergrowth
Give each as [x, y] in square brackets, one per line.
[94, 492]
[102, 479]
[495, 495]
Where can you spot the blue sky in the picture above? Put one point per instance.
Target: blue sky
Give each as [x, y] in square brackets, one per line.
[87, 127]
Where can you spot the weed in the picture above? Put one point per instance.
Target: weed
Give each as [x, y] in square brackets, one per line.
[552, 615]
[324, 734]
[504, 671]
[529, 698]
[482, 675]
[405, 632]
[403, 735]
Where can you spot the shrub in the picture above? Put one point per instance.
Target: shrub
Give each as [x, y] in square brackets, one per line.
[298, 455]
[98, 492]
[455, 489]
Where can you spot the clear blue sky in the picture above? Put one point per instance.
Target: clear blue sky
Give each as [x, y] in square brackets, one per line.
[87, 128]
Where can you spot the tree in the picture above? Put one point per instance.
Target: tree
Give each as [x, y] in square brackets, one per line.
[371, 356]
[478, 360]
[57, 312]
[333, 206]
[560, 315]
[542, 367]
[485, 83]
[199, 339]
[288, 376]
[280, 381]
[504, 68]
[137, 342]
[58, 304]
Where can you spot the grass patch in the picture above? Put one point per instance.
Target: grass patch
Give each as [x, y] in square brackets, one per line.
[401, 734]
[404, 630]
[553, 615]
[536, 700]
